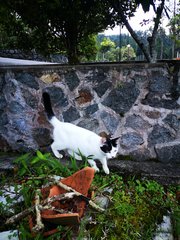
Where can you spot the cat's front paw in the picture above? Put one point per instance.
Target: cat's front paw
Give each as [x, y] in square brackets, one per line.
[58, 155]
[96, 168]
[106, 170]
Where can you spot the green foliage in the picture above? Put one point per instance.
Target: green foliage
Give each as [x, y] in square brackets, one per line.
[135, 205]
[127, 53]
[41, 165]
[60, 26]
[175, 29]
[106, 45]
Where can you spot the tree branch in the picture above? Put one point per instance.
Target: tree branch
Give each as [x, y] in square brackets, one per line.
[46, 204]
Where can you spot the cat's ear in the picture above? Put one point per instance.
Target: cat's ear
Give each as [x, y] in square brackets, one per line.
[103, 141]
[114, 141]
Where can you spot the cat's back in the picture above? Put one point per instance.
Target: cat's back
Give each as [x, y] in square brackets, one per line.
[72, 129]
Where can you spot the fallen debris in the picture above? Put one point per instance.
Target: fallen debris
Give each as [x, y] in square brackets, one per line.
[60, 195]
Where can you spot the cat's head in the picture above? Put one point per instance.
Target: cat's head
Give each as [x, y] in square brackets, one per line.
[109, 146]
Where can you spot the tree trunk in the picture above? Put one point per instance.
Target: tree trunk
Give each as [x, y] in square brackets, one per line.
[135, 37]
[152, 39]
[149, 53]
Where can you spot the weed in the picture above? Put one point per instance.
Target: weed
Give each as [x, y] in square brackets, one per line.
[136, 205]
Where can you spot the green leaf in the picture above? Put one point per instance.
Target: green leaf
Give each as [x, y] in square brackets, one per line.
[40, 155]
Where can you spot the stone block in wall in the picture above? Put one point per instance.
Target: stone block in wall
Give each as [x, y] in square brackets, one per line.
[160, 93]
[57, 96]
[89, 110]
[122, 98]
[3, 121]
[85, 96]
[29, 98]
[131, 140]
[158, 101]
[71, 115]
[2, 102]
[72, 80]
[28, 79]
[90, 124]
[15, 107]
[4, 145]
[160, 84]
[153, 114]
[111, 122]
[98, 75]
[50, 78]
[102, 87]
[172, 121]
[168, 152]
[42, 136]
[160, 134]
[137, 123]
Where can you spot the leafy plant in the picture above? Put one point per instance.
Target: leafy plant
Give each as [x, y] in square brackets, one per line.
[135, 205]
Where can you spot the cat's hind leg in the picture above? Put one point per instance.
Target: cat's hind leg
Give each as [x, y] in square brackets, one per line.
[56, 150]
[93, 165]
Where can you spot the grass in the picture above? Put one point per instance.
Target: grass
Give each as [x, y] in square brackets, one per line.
[136, 206]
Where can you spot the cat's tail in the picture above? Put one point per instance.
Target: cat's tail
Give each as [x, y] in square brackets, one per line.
[47, 105]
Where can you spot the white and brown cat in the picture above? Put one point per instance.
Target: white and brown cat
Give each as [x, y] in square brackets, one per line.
[72, 138]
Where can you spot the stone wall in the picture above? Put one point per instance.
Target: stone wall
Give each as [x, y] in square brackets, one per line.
[32, 55]
[139, 102]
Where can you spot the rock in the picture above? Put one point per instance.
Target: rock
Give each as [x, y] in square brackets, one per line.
[102, 201]
[4, 145]
[85, 96]
[137, 123]
[163, 236]
[160, 134]
[98, 75]
[2, 102]
[28, 79]
[109, 121]
[57, 96]
[20, 125]
[172, 121]
[3, 120]
[164, 230]
[156, 101]
[1, 82]
[50, 78]
[153, 114]
[16, 107]
[90, 124]
[72, 80]
[168, 152]
[29, 98]
[71, 115]
[131, 139]
[102, 87]
[42, 136]
[91, 109]
[122, 99]
[159, 83]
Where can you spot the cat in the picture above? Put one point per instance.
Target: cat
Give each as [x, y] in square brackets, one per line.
[75, 139]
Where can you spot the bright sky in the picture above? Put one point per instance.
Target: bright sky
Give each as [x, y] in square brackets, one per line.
[139, 16]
